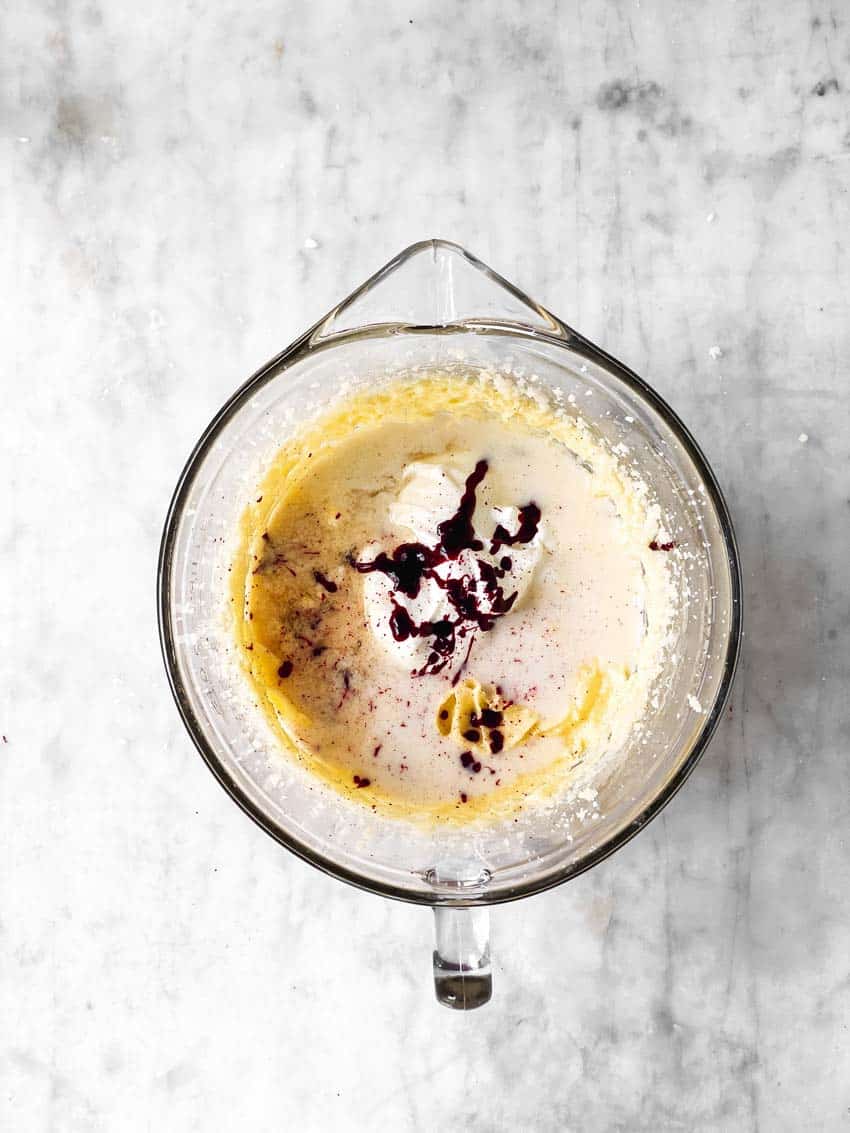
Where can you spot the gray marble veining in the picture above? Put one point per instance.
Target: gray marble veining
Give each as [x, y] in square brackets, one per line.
[185, 188]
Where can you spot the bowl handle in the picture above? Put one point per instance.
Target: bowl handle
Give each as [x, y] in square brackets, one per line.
[462, 975]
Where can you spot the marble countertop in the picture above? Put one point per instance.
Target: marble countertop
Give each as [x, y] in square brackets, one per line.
[185, 188]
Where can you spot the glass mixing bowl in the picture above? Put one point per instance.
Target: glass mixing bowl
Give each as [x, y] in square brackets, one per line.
[436, 306]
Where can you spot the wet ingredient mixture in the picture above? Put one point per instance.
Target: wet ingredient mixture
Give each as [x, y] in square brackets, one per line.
[447, 598]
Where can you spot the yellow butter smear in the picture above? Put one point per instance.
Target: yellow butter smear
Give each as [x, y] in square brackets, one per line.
[459, 713]
[338, 705]
[459, 716]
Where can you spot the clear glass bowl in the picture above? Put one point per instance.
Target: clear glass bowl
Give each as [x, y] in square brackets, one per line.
[435, 305]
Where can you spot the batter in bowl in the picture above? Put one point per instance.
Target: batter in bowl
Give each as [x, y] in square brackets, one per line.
[449, 597]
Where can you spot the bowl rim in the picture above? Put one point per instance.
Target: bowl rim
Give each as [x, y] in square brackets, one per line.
[566, 338]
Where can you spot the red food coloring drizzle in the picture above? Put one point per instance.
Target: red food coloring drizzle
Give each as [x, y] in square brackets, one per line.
[529, 521]
[402, 625]
[407, 566]
[457, 533]
[377, 749]
[463, 797]
[360, 781]
[325, 582]
[656, 546]
[488, 717]
[476, 603]
[285, 670]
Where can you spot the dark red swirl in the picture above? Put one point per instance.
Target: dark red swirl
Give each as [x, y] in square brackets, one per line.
[476, 601]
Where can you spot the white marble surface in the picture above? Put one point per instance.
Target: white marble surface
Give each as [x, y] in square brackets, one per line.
[184, 188]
